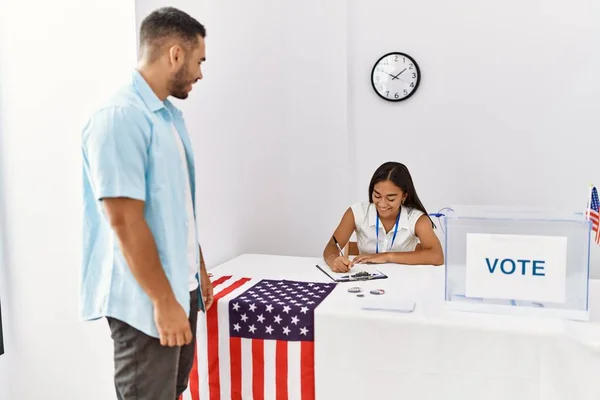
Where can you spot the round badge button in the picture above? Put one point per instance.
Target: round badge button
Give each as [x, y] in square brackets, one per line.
[355, 289]
[377, 291]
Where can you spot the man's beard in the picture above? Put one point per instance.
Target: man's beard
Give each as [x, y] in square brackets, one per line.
[179, 84]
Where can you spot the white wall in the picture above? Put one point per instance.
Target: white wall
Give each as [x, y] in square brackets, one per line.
[5, 358]
[4, 293]
[269, 124]
[507, 92]
[287, 133]
[58, 60]
[507, 109]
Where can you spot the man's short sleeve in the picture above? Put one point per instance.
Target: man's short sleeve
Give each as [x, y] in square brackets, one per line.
[115, 151]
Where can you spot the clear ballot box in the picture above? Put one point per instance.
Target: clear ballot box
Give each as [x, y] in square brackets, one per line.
[517, 261]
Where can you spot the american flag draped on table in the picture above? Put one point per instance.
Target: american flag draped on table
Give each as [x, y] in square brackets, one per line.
[593, 213]
[257, 340]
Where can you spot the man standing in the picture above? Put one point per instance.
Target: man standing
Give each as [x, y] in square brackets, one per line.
[141, 260]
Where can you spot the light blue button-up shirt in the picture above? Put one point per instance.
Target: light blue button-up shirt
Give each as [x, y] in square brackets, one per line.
[129, 150]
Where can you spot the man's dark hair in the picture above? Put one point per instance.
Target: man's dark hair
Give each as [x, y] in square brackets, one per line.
[165, 24]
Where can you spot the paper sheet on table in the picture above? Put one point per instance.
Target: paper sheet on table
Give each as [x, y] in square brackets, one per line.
[388, 302]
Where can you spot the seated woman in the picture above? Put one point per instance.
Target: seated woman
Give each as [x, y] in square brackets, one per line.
[392, 227]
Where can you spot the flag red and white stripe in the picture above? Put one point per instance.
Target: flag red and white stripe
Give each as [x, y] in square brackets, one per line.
[593, 213]
[228, 367]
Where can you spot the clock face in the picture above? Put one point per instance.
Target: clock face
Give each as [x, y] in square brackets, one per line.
[395, 76]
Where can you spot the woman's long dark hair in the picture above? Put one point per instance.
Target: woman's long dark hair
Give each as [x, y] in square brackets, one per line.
[399, 175]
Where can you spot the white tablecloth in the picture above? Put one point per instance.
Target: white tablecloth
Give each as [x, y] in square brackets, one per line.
[433, 353]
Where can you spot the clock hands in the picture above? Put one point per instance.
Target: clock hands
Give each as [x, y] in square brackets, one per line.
[396, 77]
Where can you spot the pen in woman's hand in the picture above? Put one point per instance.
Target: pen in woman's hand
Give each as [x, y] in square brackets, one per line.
[338, 246]
[349, 265]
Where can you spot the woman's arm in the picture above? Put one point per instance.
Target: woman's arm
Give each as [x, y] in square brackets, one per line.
[342, 233]
[428, 253]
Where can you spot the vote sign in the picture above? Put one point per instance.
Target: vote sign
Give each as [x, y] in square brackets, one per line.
[516, 267]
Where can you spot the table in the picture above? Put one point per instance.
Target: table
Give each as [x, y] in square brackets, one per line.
[431, 353]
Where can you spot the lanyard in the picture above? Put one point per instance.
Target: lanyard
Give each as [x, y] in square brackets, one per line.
[395, 231]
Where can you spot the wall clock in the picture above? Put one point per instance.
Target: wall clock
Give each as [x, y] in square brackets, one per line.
[395, 76]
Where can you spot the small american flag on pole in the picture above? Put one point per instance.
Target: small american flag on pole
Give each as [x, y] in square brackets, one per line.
[257, 340]
[593, 213]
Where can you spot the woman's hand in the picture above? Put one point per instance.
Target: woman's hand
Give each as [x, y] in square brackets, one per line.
[380, 258]
[341, 264]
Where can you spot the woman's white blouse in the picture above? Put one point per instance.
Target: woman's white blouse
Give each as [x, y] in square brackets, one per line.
[365, 216]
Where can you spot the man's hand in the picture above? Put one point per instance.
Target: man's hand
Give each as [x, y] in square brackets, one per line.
[207, 289]
[380, 258]
[172, 323]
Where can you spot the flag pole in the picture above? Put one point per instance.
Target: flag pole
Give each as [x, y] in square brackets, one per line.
[589, 202]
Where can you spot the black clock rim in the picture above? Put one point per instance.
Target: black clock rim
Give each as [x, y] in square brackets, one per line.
[416, 85]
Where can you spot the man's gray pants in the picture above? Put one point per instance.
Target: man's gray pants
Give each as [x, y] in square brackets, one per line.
[146, 370]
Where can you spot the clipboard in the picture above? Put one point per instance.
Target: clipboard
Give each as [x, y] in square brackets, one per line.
[353, 276]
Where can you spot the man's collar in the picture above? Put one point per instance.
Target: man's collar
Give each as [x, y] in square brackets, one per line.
[145, 91]
[172, 108]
